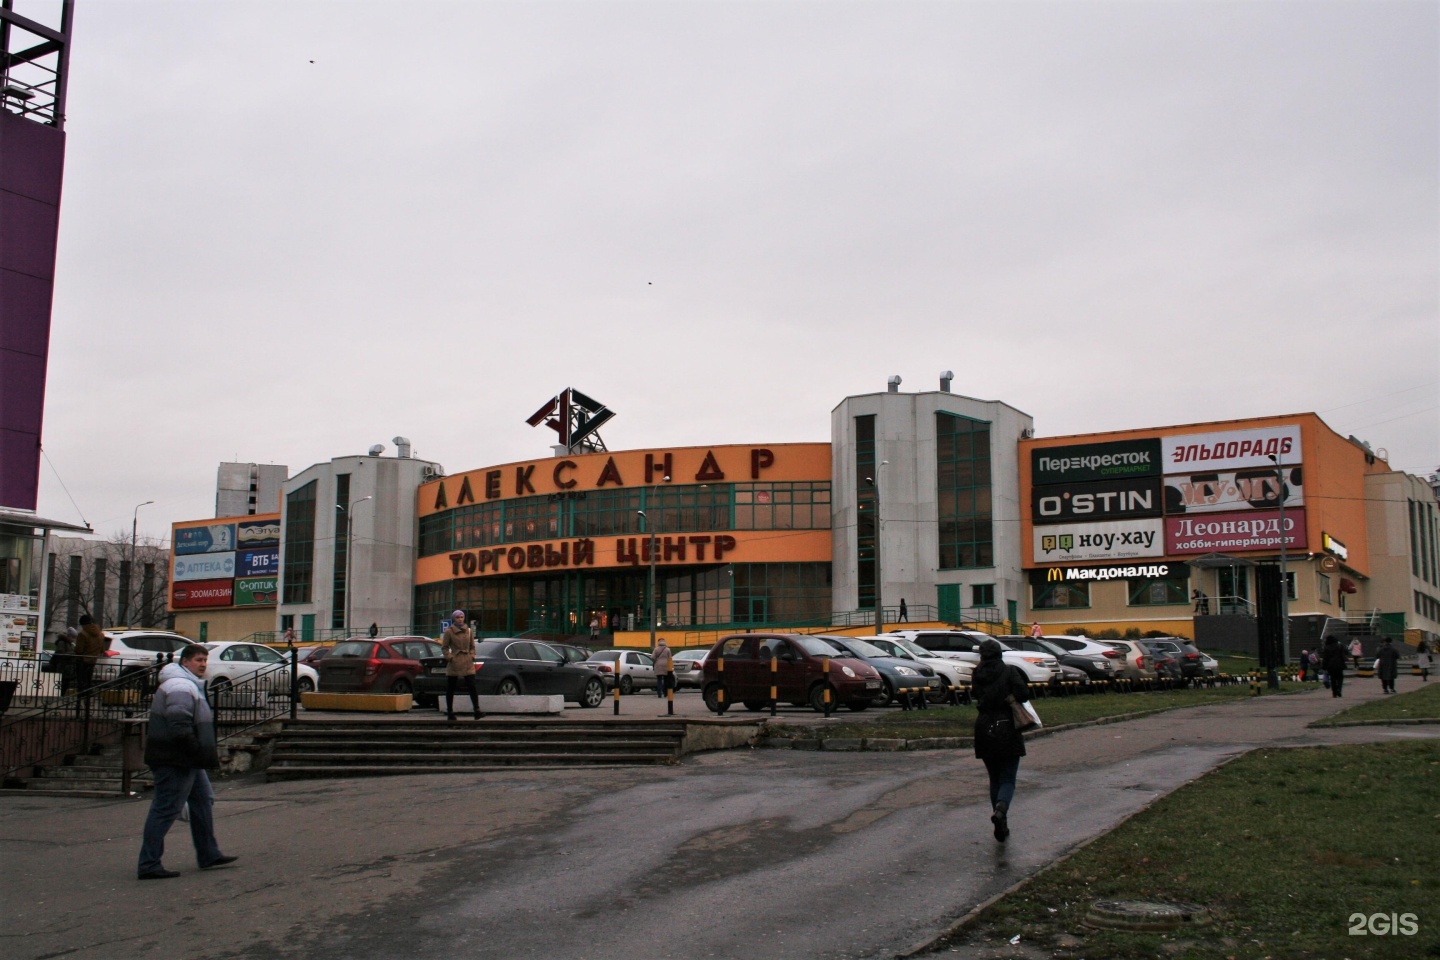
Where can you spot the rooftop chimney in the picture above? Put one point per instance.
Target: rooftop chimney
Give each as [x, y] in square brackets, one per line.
[945, 377]
[894, 382]
[402, 447]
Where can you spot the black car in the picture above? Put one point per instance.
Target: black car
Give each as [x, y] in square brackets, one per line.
[899, 676]
[1086, 665]
[508, 667]
[1186, 654]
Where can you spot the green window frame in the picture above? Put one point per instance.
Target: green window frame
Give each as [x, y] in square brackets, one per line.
[1061, 596]
[982, 595]
[1158, 592]
[963, 492]
[297, 574]
[866, 526]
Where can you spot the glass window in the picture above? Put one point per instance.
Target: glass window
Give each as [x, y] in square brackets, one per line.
[865, 510]
[1323, 588]
[1158, 592]
[817, 647]
[266, 655]
[521, 651]
[547, 653]
[299, 568]
[982, 595]
[353, 648]
[1054, 596]
[962, 466]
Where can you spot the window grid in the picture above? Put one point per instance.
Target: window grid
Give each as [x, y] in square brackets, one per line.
[299, 567]
[962, 463]
[1061, 596]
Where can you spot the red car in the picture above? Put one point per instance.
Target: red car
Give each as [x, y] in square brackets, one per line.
[311, 656]
[799, 674]
[375, 666]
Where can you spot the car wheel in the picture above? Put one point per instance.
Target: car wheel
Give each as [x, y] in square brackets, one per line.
[858, 705]
[593, 693]
[712, 697]
[755, 706]
[400, 686]
[509, 687]
[219, 685]
[306, 685]
[886, 694]
[817, 698]
[626, 685]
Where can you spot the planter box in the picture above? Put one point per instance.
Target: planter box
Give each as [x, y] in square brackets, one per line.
[553, 703]
[364, 702]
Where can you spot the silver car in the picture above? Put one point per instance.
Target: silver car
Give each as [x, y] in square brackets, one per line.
[690, 668]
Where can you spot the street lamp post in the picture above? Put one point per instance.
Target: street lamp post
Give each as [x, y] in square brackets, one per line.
[130, 582]
[349, 553]
[1284, 651]
[653, 551]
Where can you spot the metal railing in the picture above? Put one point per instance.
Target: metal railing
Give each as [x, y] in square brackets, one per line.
[1227, 606]
[276, 638]
[270, 694]
[72, 723]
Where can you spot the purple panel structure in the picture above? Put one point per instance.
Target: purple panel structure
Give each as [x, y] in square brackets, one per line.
[32, 164]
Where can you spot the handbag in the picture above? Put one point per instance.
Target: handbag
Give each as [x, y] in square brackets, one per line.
[1023, 715]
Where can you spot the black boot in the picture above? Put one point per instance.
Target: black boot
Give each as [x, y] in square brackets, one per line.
[1002, 826]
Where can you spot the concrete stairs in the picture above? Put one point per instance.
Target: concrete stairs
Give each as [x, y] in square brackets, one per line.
[312, 749]
[93, 775]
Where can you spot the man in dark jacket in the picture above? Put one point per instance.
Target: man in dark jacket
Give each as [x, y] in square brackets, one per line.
[1387, 665]
[90, 646]
[180, 747]
[1333, 660]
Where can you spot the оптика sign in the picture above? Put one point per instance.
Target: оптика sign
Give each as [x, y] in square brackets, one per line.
[1125, 499]
[1096, 461]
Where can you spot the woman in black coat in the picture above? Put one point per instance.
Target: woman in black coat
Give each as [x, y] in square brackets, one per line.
[1387, 665]
[995, 685]
[1333, 660]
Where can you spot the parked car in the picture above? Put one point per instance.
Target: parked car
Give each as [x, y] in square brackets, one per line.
[513, 667]
[632, 669]
[690, 668]
[1191, 660]
[362, 665]
[742, 662]
[965, 645]
[1095, 649]
[1209, 664]
[1096, 667]
[580, 656]
[1138, 663]
[897, 675]
[142, 648]
[235, 663]
[1166, 664]
[955, 673]
[311, 656]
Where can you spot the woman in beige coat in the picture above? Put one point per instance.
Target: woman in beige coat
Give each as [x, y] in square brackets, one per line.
[458, 645]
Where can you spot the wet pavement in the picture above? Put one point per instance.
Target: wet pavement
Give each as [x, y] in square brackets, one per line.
[759, 853]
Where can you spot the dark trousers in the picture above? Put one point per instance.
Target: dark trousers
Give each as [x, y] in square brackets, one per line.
[175, 789]
[450, 684]
[1337, 680]
[1002, 780]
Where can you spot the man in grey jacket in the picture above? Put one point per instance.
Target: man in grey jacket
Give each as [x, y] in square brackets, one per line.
[180, 747]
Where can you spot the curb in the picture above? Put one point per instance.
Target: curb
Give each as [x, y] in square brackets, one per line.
[1398, 722]
[974, 914]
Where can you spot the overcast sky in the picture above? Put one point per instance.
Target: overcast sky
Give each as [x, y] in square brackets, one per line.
[292, 230]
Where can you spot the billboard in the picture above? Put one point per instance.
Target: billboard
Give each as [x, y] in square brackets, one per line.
[201, 593]
[1124, 499]
[1252, 530]
[215, 538]
[1232, 449]
[207, 566]
[256, 591]
[1117, 540]
[1096, 461]
[1161, 570]
[257, 563]
[1257, 489]
[251, 534]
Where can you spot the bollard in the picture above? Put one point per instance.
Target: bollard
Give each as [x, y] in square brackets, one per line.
[720, 694]
[774, 669]
[617, 696]
[825, 672]
[669, 700]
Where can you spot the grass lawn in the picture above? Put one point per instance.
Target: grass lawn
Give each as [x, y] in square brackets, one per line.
[960, 721]
[1415, 705]
[1284, 846]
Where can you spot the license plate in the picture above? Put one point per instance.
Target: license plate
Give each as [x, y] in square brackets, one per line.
[872, 684]
[934, 683]
[437, 671]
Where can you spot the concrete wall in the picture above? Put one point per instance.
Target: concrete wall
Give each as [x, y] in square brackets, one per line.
[245, 489]
[225, 624]
[909, 509]
[1394, 584]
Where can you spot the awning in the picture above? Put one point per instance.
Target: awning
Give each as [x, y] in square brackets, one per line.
[22, 518]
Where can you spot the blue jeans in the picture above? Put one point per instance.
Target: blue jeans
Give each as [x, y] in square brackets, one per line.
[174, 788]
[1002, 780]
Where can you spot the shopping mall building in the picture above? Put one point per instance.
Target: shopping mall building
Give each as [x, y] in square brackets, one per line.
[943, 502]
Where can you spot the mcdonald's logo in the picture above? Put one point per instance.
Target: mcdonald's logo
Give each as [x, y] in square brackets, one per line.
[1054, 574]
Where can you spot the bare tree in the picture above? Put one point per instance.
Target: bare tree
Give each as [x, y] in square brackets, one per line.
[97, 578]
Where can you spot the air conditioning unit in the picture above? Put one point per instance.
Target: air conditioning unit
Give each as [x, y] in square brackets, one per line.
[432, 472]
[1027, 433]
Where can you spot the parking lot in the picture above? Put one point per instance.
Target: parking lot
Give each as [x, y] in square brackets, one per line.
[751, 852]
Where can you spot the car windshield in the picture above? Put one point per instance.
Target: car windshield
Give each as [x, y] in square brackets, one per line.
[910, 646]
[353, 648]
[490, 648]
[817, 647]
[690, 654]
[606, 655]
[862, 648]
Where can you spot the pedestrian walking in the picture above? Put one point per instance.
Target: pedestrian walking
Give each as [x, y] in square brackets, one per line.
[63, 659]
[1355, 652]
[1035, 630]
[90, 646]
[374, 630]
[1313, 673]
[179, 749]
[904, 612]
[1333, 660]
[995, 685]
[458, 646]
[1202, 602]
[1425, 661]
[1304, 665]
[1387, 665]
[594, 628]
[664, 667]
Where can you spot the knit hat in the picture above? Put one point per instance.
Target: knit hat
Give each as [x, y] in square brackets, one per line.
[990, 650]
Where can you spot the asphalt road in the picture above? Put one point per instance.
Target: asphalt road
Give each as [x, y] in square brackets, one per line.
[754, 853]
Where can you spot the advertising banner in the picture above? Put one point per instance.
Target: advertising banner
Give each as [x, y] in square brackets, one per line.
[1101, 500]
[206, 566]
[257, 592]
[251, 534]
[1225, 532]
[216, 538]
[1096, 461]
[257, 563]
[1161, 570]
[1257, 489]
[1117, 540]
[1232, 450]
[201, 593]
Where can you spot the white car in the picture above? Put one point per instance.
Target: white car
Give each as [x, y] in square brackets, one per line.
[632, 668]
[956, 673]
[143, 648]
[965, 645]
[233, 663]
